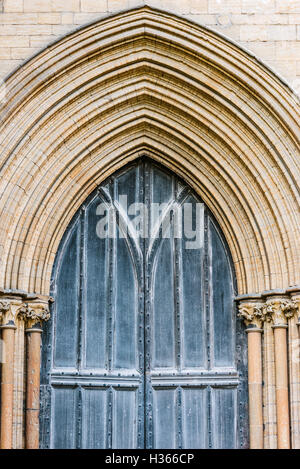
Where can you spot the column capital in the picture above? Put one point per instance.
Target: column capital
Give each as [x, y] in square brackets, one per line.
[34, 313]
[8, 308]
[295, 297]
[4, 307]
[251, 310]
[278, 309]
[16, 304]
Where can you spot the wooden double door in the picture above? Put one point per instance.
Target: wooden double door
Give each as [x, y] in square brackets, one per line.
[143, 349]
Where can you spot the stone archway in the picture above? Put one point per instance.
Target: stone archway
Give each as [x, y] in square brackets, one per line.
[148, 81]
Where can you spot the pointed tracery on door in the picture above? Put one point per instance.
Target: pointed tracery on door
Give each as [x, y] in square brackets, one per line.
[148, 314]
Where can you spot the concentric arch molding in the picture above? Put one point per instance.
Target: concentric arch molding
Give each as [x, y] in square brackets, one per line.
[148, 82]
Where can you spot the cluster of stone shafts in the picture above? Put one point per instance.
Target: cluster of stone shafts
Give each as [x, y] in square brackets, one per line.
[21, 336]
[272, 321]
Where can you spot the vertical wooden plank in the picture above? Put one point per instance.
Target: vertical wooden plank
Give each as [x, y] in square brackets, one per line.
[82, 287]
[222, 303]
[164, 418]
[94, 418]
[162, 188]
[95, 291]
[64, 417]
[207, 303]
[178, 310]
[162, 269]
[141, 335]
[163, 308]
[224, 418]
[46, 411]
[124, 424]
[148, 331]
[109, 418]
[128, 184]
[209, 417]
[126, 309]
[195, 418]
[179, 418]
[66, 305]
[194, 348]
[79, 396]
[110, 298]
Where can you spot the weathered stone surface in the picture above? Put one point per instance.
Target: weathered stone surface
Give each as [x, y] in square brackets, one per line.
[95, 6]
[227, 134]
[250, 22]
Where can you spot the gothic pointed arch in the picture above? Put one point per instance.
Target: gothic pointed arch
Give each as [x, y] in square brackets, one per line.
[148, 82]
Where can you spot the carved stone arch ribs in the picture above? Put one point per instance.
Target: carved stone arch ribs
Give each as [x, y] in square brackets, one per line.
[222, 120]
[21, 327]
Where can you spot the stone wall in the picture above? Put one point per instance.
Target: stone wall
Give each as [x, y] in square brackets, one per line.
[268, 28]
[202, 107]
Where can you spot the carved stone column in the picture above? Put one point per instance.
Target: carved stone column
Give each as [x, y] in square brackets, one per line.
[7, 310]
[252, 313]
[34, 314]
[278, 309]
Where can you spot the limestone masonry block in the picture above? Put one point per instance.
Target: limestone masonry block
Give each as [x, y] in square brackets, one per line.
[288, 6]
[13, 5]
[93, 6]
[253, 23]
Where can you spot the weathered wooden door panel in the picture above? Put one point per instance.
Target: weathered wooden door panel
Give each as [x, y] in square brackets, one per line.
[195, 417]
[222, 312]
[95, 293]
[64, 402]
[224, 417]
[94, 417]
[143, 349]
[67, 315]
